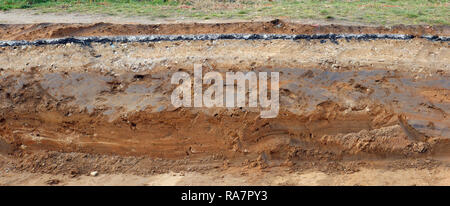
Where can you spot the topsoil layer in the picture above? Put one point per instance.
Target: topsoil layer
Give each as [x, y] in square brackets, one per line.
[53, 30]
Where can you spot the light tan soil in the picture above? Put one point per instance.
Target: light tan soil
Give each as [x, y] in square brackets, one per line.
[364, 177]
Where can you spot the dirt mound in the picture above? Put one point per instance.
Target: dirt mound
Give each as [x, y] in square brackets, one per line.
[50, 30]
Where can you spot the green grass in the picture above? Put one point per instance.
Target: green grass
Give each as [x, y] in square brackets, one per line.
[385, 12]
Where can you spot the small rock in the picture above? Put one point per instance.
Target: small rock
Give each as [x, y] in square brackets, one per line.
[94, 173]
[53, 182]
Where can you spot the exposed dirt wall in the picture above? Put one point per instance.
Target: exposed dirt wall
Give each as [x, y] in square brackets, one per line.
[52, 30]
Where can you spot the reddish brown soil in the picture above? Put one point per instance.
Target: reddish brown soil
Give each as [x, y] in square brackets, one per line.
[51, 30]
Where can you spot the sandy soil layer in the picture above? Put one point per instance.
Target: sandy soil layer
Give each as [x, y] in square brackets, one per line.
[55, 168]
[365, 177]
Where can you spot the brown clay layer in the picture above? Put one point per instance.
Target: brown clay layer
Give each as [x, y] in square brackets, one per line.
[53, 30]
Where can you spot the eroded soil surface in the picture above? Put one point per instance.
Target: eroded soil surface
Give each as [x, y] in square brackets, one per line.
[57, 30]
[348, 108]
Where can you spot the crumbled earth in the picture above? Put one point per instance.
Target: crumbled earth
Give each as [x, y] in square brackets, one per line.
[57, 30]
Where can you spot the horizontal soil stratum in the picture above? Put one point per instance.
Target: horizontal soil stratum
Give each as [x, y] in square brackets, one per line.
[58, 30]
[354, 102]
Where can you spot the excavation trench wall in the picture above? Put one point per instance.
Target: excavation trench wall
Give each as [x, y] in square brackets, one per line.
[374, 95]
